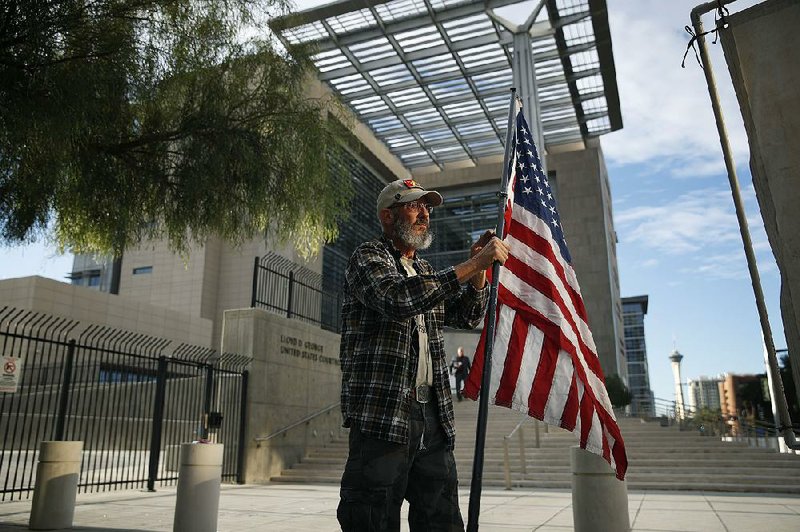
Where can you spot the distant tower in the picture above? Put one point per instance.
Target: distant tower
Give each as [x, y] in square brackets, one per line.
[676, 358]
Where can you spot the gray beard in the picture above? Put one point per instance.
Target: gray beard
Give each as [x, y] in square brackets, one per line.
[404, 231]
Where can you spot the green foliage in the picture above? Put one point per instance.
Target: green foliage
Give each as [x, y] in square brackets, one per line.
[122, 120]
[618, 393]
[787, 377]
[708, 421]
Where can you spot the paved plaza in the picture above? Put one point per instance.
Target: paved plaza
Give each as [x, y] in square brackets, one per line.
[312, 508]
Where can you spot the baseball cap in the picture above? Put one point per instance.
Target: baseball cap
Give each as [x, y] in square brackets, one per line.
[405, 190]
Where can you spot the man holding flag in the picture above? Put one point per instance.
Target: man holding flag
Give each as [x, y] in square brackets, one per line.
[396, 396]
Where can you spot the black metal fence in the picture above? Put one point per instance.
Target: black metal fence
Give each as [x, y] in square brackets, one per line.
[283, 287]
[131, 398]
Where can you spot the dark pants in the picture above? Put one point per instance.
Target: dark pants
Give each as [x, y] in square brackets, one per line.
[379, 475]
[460, 379]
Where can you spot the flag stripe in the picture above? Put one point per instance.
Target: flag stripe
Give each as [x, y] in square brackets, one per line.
[569, 419]
[543, 380]
[530, 362]
[518, 334]
[559, 389]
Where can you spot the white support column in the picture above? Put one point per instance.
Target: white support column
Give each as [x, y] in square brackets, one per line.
[524, 69]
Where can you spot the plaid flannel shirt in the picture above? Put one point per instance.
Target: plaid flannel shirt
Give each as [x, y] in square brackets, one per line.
[380, 303]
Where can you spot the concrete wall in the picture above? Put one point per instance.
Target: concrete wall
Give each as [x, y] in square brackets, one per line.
[92, 307]
[761, 48]
[206, 281]
[294, 373]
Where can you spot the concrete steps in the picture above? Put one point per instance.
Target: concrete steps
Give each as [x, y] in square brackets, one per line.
[660, 458]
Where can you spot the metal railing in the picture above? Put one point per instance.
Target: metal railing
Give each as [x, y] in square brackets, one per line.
[301, 422]
[523, 461]
[754, 432]
[131, 398]
[283, 287]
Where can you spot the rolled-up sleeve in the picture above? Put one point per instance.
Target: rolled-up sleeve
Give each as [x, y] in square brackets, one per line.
[466, 310]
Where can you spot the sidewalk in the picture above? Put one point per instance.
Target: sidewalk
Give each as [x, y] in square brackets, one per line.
[312, 508]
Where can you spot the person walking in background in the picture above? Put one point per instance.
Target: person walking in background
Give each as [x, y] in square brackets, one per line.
[460, 367]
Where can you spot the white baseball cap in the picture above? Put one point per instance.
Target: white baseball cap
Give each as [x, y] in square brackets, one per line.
[405, 190]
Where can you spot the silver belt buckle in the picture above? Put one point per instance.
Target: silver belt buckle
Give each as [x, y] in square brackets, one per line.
[423, 393]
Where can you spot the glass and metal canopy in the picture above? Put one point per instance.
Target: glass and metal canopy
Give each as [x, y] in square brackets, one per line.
[431, 78]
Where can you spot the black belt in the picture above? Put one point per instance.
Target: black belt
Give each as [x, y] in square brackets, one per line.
[422, 393]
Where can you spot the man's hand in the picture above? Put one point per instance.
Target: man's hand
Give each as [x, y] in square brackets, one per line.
[480, 243]
[483, 253]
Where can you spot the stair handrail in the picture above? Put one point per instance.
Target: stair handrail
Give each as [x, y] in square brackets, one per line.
[303, 421]
[522, 458]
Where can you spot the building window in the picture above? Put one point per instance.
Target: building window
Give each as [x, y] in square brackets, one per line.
[93, 280]
[463, 217]
[142, 270]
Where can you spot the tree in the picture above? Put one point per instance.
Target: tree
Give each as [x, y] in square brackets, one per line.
[787, 377]
[618, 393]
[122, 120]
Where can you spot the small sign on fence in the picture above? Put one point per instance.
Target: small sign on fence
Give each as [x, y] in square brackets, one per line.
[10, 374]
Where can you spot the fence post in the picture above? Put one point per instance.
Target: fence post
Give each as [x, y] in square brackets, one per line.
[255, 284]
[63, 401]
[536, 424]
[289, 301]
[158, 422]
[208, 395]
[242, 429]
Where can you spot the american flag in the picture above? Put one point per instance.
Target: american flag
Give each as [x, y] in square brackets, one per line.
[544, 360]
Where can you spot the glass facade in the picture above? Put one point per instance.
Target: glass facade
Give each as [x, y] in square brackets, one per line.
[360, 226]
[462, 218]
[633, 311]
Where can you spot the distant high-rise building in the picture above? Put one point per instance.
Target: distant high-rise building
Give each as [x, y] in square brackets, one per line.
[745, 400]
[633, 311]
[704, 393]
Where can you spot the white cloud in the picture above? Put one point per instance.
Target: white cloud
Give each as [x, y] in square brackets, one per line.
[666, 109]
[701, 229]
[689, 223]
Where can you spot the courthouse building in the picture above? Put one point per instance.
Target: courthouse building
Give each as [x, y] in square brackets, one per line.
[428, 87]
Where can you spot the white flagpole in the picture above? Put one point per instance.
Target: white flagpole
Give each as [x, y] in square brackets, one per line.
[483, 404]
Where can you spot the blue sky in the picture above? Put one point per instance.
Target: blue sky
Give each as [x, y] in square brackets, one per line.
[679, 240]
[678, 237]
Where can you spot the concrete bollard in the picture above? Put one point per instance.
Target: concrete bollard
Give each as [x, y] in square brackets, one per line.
[56, 485]
[599, 499]
[199, 478]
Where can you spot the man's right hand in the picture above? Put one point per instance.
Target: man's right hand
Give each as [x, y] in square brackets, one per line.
[494, 250]
[483, 256]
